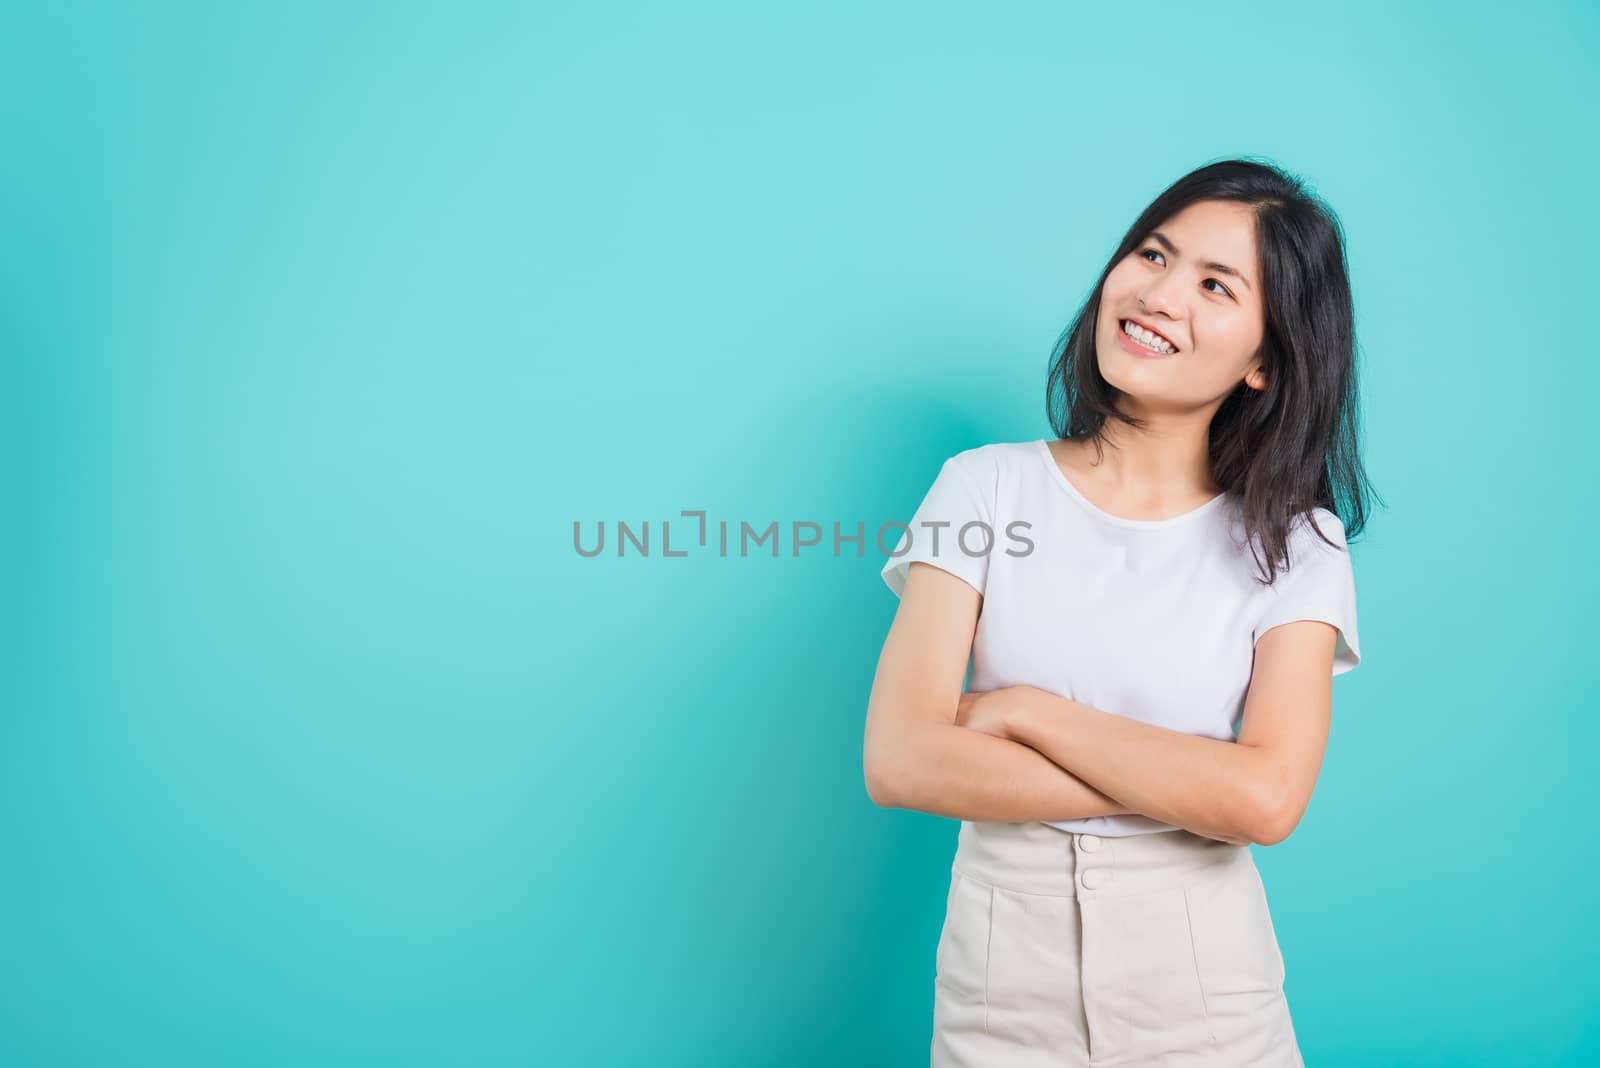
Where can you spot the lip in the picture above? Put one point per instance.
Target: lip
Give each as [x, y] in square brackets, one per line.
[1137, 349]
[1147, 326]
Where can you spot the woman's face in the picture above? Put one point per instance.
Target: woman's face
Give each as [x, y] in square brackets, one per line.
[1179, 288]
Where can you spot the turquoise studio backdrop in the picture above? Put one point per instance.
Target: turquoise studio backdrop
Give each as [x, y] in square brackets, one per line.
[325, 323]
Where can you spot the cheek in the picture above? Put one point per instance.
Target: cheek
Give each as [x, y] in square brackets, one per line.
[1118, 282]
[1232, 336]
[1112, 299]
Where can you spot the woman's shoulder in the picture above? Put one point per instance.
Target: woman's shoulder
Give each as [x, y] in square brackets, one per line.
[988, 463]
[1311, 532]
[1318, 524]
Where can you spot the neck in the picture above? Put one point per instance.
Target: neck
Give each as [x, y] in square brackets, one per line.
[1166, 461]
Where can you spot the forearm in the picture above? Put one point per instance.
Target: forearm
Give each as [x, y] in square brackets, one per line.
[946, 770]
[1204, 785]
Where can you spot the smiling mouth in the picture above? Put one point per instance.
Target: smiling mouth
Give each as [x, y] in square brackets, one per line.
[1156, 343]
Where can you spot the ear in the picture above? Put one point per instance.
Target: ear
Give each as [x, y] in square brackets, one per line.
[1255, 378]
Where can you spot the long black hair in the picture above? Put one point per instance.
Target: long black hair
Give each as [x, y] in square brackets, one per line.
[1292, 447]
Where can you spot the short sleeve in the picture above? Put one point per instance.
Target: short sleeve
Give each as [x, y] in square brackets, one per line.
[1319, 584]
[953, 529]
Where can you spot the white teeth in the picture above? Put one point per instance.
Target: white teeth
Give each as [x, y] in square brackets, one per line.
[1146, 338]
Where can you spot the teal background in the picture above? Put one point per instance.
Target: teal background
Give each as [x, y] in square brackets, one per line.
[321, 745]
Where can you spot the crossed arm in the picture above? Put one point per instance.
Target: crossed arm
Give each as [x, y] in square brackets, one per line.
[1062, 760]
[1025, 754]
[1207, 786]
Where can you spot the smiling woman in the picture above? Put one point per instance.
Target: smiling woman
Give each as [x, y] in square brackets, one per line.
[1150, 688]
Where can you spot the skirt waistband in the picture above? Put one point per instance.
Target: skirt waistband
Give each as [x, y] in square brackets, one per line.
[1036, 858]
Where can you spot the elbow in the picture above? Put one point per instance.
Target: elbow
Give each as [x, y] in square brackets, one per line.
[895, 771]
[878, 791]
[897, 768]
[1273, 818]
[880, 780]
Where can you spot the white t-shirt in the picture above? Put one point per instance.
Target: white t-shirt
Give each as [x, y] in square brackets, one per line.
[1152, 619]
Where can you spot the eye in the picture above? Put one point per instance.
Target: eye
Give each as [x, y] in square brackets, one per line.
[1157, 252]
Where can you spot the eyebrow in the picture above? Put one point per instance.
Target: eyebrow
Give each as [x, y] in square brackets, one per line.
[1220, 268]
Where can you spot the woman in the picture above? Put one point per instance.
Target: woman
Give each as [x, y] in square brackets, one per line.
[1154, 601]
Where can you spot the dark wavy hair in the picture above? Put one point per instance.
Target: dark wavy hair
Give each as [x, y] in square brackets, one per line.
[1292, 447]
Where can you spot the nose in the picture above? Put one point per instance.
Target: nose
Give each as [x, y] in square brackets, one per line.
[1157, 296]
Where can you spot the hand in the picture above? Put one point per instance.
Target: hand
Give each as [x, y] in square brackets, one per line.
[993, 711]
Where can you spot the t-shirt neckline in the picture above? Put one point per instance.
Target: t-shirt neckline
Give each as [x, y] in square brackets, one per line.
[1061, 479]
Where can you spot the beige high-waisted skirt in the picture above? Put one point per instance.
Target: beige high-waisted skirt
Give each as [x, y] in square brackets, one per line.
[1072, 949]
